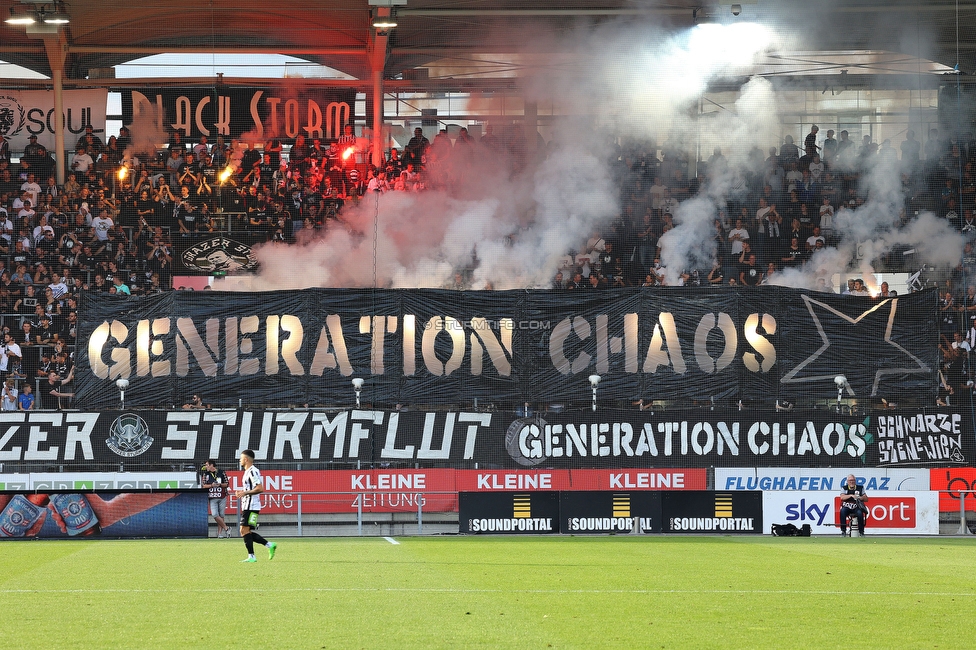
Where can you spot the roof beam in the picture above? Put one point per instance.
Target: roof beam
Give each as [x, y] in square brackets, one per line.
[147, 50]
[608, 11]
[667, 11]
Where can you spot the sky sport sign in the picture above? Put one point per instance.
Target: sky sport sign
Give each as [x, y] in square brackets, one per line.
[889, 513]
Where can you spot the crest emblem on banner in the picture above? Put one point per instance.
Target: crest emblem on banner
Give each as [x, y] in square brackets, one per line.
[523, 441]
[12, 116]
[217, 254]
[129, 436]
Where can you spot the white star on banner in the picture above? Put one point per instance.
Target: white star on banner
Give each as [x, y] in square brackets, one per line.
[892, 305]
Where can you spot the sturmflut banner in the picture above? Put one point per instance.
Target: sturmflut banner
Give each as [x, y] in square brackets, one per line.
[161, 440]
[509, 347]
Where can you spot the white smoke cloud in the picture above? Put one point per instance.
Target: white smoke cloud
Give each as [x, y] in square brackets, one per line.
[874, 229]
[642, 83]
[690, 244]
[519, 228]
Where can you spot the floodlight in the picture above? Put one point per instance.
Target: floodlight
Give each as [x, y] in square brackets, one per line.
[20, 19]
[357, 384]
[594, 382]
[122, 383]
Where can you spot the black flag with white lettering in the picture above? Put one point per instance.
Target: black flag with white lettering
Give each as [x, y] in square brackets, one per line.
[505, 348]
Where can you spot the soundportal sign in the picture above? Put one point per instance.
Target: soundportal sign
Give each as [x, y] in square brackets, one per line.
[702, 511]
[151, 439]
[506, 347]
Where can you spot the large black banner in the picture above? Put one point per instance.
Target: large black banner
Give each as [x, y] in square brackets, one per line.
[262, 113]
[503, 348]
[363, 438]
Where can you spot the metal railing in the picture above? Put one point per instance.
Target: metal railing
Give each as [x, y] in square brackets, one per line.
[362, 513]
[326, 510]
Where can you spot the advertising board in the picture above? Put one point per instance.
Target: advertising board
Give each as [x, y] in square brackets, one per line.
[895, 513]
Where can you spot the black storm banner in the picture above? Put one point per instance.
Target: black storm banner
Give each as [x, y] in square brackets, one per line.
[691, 438]
[282, 113]
[503, 348]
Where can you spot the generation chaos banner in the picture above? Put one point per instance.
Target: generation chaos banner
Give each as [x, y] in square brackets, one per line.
[506, 347]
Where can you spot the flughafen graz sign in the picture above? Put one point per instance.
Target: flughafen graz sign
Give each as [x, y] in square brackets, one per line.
[432, 347]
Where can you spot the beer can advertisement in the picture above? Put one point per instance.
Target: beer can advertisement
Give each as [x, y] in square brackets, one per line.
[85, 515]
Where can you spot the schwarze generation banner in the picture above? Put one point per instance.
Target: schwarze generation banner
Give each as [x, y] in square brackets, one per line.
[159, 440]
[24, 113]
[272, 112]
[506, 347]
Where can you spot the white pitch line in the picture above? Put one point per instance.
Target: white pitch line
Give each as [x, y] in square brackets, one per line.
[650, 592]
[392, 541]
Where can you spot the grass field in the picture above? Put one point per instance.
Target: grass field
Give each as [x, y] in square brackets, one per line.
[492, 592]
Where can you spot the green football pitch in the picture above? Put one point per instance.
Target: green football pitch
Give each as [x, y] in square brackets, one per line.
[492, 592]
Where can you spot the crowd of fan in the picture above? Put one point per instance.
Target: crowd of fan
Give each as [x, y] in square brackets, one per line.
[777, 211]
[117, 216]
[112, 225]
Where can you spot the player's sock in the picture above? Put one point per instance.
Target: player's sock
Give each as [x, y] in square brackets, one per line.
[249, 544]
[260, 540]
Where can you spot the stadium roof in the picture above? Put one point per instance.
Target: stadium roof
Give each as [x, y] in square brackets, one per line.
[340, 33]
